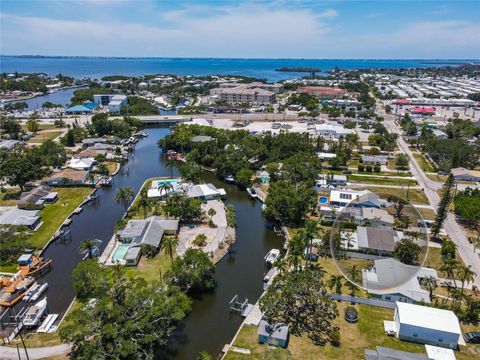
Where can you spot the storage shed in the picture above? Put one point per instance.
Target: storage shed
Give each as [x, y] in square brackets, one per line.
[276, 334]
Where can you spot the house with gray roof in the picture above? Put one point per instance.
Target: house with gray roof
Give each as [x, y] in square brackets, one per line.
[374, 160]
[20, 217]
[37, 197]
[145, 232]
[380, 241]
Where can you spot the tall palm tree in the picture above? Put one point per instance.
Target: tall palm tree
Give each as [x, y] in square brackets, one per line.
[431, 283]
[144, 203]
[166, 188]
[281, 265]
[169, 245]
[348, 236]
[295, 252]
[336, 281]
[170, 164]
[310, 232]
[354, 276]
[87, 246]
[124, 196]
[450, 267]
[466, 275]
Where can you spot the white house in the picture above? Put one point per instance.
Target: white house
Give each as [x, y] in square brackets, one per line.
[204, 192]
[114, 102]
[426, 325]
[333, 179]
[393, 280]
[81, 163]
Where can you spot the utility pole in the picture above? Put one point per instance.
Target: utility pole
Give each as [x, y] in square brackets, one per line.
[23, 343]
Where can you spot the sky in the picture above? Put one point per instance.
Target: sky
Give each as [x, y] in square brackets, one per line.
[242, 29]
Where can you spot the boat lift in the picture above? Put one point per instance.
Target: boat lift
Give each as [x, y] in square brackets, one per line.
[241, 307]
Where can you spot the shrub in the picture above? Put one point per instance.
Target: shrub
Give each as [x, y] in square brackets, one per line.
[200, 240]
[377, 168]
[335, 337]
[361, 167]
[149, 251]
[369, 168]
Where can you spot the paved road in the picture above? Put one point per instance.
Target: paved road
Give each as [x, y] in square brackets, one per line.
[10, 353]
[430, 187]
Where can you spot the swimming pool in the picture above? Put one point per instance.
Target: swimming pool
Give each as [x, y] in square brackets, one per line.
[158, 183]
[323, 200]
[120, 252]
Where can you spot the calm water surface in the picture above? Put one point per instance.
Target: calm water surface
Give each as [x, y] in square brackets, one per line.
[210, 325]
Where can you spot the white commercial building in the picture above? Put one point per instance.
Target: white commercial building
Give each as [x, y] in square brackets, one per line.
[332, 131]
[426, 325]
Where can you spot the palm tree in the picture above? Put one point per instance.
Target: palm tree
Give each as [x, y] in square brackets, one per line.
[144, 203]
[295, 252]
[169, 245]
[281, 265]
[457, 296]
[87, 246]
[354, 276]
[166, 188]
[336, 281]
[170, 164]
[124, 196]
[466, 275]
[348, 236]
[310, 232]
[450, 266]
[431, 283]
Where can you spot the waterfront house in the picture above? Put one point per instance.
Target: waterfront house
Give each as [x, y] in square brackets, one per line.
[204, 192]
[393, 280]
[330, 179]
[380, 241]
[426, 325]
[66, 177]
[370, 217]
[10, 144]
[84, 164]
[143, 232]
[262, 176]
[20, 217]
[275, 334]
[37, 197]
[92, 141]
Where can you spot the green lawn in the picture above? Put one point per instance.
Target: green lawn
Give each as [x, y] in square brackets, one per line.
[355, 338]
[54, 215]
[423, 162]
[150, 269]
[415, 196]
[381, 180]
[41, 137]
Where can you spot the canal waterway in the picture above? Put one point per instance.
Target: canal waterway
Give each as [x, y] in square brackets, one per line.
[210, 325]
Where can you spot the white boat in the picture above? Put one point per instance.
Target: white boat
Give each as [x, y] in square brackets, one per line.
[38, 292]
[78, 210]
[30, 292]
[272, 255]
[34, 313]
[252, 193]
[229, 179]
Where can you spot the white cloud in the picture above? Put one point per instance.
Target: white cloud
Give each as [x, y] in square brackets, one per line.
[330, 13]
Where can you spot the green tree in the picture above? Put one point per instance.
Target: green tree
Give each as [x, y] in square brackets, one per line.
[401, 161]
[191, 171]
[431, 283]
[124, 196]
[144, 204]
[17, 169]
[448, 249]
[131, 321]
[89, 279]
[335, 282]
[354, 275]
[244, 178]
[194, 272]
[169, 245]
[398, 203]
[443, 207]
[466, 275]
[300, 300]
[407, 251]
[87, 246]
[170, 164]
[70, 139]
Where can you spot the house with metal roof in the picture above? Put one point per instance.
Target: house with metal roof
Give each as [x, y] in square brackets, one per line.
[384, 353]
[87, 108]
[204, 191]
[273, 334]
[393, 280]
[20, 217]
[374, 159]
[426, 325]
[84, 164]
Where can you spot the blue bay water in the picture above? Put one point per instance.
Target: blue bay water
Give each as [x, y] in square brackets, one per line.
[97, 67]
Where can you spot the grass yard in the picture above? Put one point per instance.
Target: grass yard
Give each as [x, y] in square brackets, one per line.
[423, 162]
[54, 215]
[40, 137]
[381, 180]
[415, 196]
[111, 166]
[434, 260]
[355, 338]
[150, 269]
[5, 194]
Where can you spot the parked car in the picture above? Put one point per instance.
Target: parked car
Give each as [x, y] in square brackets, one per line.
[472, 337]
[347, 172]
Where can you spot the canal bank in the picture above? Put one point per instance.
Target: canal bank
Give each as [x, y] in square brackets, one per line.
[210, 325]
